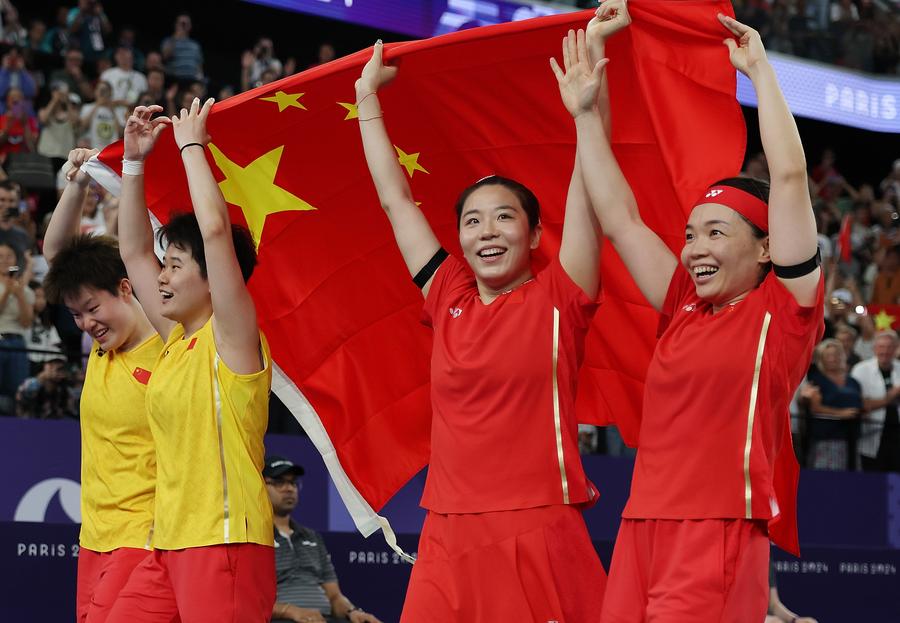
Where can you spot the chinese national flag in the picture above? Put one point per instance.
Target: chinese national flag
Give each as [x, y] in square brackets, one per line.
[333, 296]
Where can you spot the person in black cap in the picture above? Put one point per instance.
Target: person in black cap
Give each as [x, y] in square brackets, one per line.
[308, 590]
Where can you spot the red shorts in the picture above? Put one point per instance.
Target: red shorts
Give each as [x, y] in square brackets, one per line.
[233, 583]
[101, 575]
[687, 571]
[534, 564]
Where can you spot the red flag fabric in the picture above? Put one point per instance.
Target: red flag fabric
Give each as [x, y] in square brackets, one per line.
[885, 317]
[333, 295]
[844, 238]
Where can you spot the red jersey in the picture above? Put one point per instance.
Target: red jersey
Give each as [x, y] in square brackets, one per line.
[503, 379]
[716, 402]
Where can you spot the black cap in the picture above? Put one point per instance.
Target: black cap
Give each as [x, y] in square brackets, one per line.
[279, 466]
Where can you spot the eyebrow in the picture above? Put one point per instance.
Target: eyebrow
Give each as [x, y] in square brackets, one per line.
[709, 223]
[495, 209]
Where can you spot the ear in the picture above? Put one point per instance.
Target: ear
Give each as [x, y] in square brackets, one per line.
[764, 251]
[536, 236]
[125, 289]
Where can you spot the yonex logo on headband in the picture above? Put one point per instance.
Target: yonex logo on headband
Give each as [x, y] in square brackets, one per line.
[714, 193]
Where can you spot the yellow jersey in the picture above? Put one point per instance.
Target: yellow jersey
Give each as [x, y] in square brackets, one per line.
[208, 424]
[118, 456]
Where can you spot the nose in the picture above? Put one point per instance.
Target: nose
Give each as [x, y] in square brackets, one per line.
[88, 323]
[488, 230]
[698, 247]
[163, 277]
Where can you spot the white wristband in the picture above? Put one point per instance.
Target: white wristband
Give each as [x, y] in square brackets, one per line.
[132, 167]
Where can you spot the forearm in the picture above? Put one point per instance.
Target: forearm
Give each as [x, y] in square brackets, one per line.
[280, 610]
[598, 51]
[381, 157]
[135, 230]
[609, 193]
[206, 197]
[871, 404]
[777, 128]
[26, 310]
[341, 606]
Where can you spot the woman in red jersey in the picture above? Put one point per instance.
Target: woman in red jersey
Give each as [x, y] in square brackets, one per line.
[741, 313]
[504, 538]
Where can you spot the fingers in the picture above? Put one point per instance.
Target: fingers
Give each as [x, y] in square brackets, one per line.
[565, 51]
[207, 106]
[581, 47]
[733, 25]
[378, 52]
[731, 44]
[601, 64]
[556, 70]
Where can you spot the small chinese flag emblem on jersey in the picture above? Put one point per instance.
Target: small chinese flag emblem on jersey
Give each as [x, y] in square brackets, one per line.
[143, 376]
[192, 344]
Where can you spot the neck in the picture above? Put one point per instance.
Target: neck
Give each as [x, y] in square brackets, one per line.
[196, 321]
[719, 307]
[283, 523]
[489, 293]
[142, 329]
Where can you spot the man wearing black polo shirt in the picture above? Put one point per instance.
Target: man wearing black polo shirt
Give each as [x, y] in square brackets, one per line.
[308, 590]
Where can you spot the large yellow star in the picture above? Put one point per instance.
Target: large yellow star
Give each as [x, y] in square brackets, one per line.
[352, 111]
[884, 321]
[285, 100]
[253, 189]
[410, 161]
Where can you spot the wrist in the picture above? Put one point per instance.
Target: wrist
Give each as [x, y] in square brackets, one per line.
[189, 145]
[132, 167]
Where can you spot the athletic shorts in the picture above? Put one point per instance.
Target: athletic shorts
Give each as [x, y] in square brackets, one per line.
[535, 565]
[233, 583]
[688, 571]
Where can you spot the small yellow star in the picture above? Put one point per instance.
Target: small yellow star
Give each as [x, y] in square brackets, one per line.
[410, 161]
[352, 111]
[252, 188]
[884, 321]
[285, 100]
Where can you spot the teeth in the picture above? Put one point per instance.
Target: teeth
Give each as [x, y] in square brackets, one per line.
[705, 270]
[491, 252]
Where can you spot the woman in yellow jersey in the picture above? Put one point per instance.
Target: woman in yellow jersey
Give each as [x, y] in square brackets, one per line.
[207, 401]
[118, 460]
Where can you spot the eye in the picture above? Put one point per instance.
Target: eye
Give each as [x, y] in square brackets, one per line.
[94, 309]
[471, 221]
[504, 216]
[715, 232]
[689, 237]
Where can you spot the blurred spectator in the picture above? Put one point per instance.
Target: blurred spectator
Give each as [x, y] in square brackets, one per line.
[587, 439]
[127, 83]
[16, 313]
[154, 61]
[846, 335]
[156, 86]
[88, 24]
[879, 378]
[93, 213]
[886, 290]
[101, 122]
[13, 31]
[257, 62]
[13, 75]
[42, 335]
[10, 234]
[835, 409]
[325, 54]
[37, 30]
[777, 611]
[49, 395]
[72, 74]
[891, 183]
[183, 55]
[58, 39]
[18, 129]
[128, 40]
[59, 119]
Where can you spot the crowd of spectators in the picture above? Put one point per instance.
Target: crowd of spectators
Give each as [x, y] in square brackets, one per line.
[70, 79]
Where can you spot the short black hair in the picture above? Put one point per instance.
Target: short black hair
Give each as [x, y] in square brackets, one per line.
[86, 261]
[183, 231]
[527, 198]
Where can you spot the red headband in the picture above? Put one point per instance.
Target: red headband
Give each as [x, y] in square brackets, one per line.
[749, 206]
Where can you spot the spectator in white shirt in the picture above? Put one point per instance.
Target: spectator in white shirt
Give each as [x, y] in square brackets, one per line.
[879, 377]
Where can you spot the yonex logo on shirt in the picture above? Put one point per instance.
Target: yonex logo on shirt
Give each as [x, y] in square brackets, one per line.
[455, 312]
[690, 307]
[714, 193]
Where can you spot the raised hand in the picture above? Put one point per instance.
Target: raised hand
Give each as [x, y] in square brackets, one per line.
[141, 132]
[190, 125]
[611, 17]
[580, 83]
[747, 54]
[78, 157]
[374, 74]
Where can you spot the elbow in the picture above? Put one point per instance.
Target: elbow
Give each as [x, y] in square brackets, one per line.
[218, 229]
[795, 175]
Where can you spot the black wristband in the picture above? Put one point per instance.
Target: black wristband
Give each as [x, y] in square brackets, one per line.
[183, 147]
[798, 270]
[430, 268]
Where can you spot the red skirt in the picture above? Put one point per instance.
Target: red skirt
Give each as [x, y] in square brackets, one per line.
[534, 564]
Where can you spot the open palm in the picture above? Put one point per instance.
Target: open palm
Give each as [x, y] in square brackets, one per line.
[580, 82]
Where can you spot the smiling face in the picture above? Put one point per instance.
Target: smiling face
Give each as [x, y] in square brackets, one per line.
[722, 254]
[108, 318]
[184, 291]
[496, 239]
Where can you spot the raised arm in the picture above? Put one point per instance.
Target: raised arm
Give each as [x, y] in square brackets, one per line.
[647, 258]
[135, 230]
[792, 224]
[412, 232]
[234, 314]
[65, 222]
